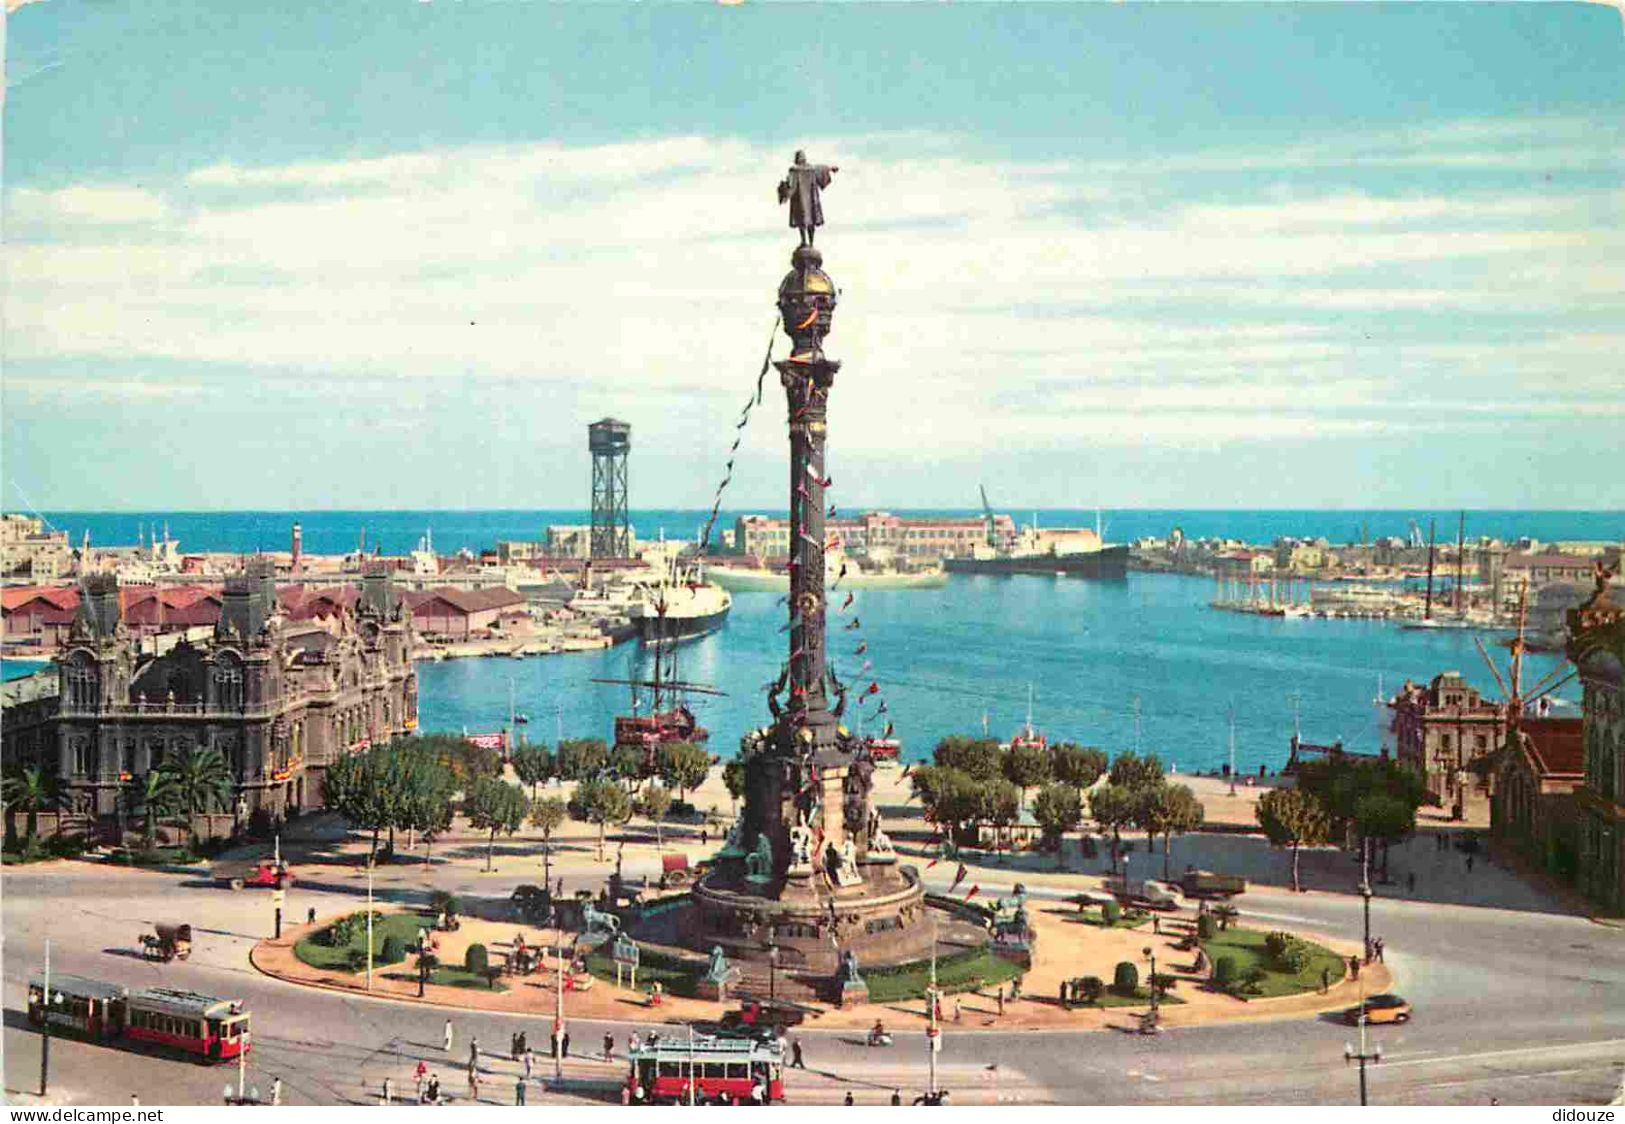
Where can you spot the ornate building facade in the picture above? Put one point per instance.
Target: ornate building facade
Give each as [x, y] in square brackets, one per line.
[280, 699]
[1440, 730]
[1597, 648]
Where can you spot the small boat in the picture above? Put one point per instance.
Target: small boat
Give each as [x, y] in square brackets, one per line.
[521, 719]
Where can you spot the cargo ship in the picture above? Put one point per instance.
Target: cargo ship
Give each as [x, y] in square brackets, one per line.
[680, 606]
[1074, 552]
[843, 572]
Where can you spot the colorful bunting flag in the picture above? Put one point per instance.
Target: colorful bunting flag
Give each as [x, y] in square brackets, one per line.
[856, 623]
[959, 877]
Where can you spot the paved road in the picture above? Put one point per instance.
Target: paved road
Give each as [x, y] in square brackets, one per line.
[1516, 1005]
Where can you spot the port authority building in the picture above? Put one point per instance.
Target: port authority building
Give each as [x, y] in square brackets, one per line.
[881, 533]
[281, 695]
[1597, 648]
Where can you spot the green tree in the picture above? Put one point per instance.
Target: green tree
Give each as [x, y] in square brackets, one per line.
[950, 798]
[1026, 766]
[33, 790]
[581, 759]
[493, 806]
[202, 779]
[683, 766]
[1165, 809]
[423, 802]
[1384, 818]
[154, 794]
[533, 765]
[654, 805]
[466, 761]
[1130, 770]
[547, 816]
[733, 776]
[1001, 805]
[1077, 765]
[603, 802]
[629, 765]
[1293, 818]
[357, 787]
[976, 757]
[1114, 808]
[1058, 809]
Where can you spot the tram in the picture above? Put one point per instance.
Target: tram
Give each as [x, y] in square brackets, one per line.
[720, 1070]
[207, 1027]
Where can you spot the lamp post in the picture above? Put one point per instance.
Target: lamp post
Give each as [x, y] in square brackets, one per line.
[772, 970]
[1151, 955]
[558, 1011]
[1365, 893]
[45, 1027]
[369, 925]
[1363, 1055]
[933, 1032]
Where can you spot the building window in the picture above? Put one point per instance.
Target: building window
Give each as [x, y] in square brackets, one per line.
[84, 757]
[81, 687]
[127, 757]
[228, 687]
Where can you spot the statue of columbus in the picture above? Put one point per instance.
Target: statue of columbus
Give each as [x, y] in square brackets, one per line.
[800, 188]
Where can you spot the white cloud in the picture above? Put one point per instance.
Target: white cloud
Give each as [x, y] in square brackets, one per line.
[646, 263]
[87, 204]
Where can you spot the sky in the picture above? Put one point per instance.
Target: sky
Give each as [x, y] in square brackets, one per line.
[399, 254]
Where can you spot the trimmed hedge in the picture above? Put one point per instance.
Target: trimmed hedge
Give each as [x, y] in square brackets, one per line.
[476, 960]
[1126, 979]
[1111, 912]
[1206, 927]
[1224, 971]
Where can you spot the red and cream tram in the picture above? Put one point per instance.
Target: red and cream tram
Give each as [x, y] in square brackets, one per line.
[210, 1028]
[721, 1070]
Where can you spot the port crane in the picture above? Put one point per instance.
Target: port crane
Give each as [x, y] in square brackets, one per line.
[992, 524]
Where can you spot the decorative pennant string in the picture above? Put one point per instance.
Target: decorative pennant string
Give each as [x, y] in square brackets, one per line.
[739, 426]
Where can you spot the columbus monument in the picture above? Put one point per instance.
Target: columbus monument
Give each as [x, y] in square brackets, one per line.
[808, 876]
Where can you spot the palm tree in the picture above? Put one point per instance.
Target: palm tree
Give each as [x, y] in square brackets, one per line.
[154, 794]
[32, 790]
[202, 780]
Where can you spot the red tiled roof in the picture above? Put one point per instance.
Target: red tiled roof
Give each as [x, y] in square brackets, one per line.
[57, 597]
[467, 600]
[1556, 746]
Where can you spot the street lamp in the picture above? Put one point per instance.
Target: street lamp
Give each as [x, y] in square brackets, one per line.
[772, 947]
[1350, 1055]
[1151, 955]
[1365, 892]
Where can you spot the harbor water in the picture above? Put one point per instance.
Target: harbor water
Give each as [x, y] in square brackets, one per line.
[1091, 652]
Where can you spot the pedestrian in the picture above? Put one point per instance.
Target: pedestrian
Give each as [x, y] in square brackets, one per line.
[705, 837]
[631, 1042]
[956, 1010]
[276, 1091]
[564, 1044]
[1410, 882]
[1001, 1000]
[388, 1097]
[418, 1075]
[433, 1090]
[448, 1036]
[473, 1084]
[530, 1061]
[1380, 960]
[1469, 864]
[849, 1100]
[519, 1092]
[1354, 967]
[609, 1047]
[897, 1096]
[1325, 980]
[559, 893]
[473, 1053]
[796, 1060]
[135, 1101]
[310, 916]
[513, 1046]
[555, 1043]
[524, 1043]
[1156, 925]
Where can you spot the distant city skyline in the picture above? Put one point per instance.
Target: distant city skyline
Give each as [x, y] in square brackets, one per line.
[1135, 256]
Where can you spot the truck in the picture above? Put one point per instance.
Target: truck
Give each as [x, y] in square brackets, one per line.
[253, 872]
[1145, 892]
[1207, 884]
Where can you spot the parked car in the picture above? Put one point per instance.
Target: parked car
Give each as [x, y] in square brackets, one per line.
[1379, 1009]
[257, 872]
[1207, 884]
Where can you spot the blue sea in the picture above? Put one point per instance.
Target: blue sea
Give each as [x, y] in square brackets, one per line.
[1092, 654]
[337, 532]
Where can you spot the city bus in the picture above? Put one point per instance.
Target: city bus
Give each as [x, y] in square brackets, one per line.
[204, 1026]
[723, 1071]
